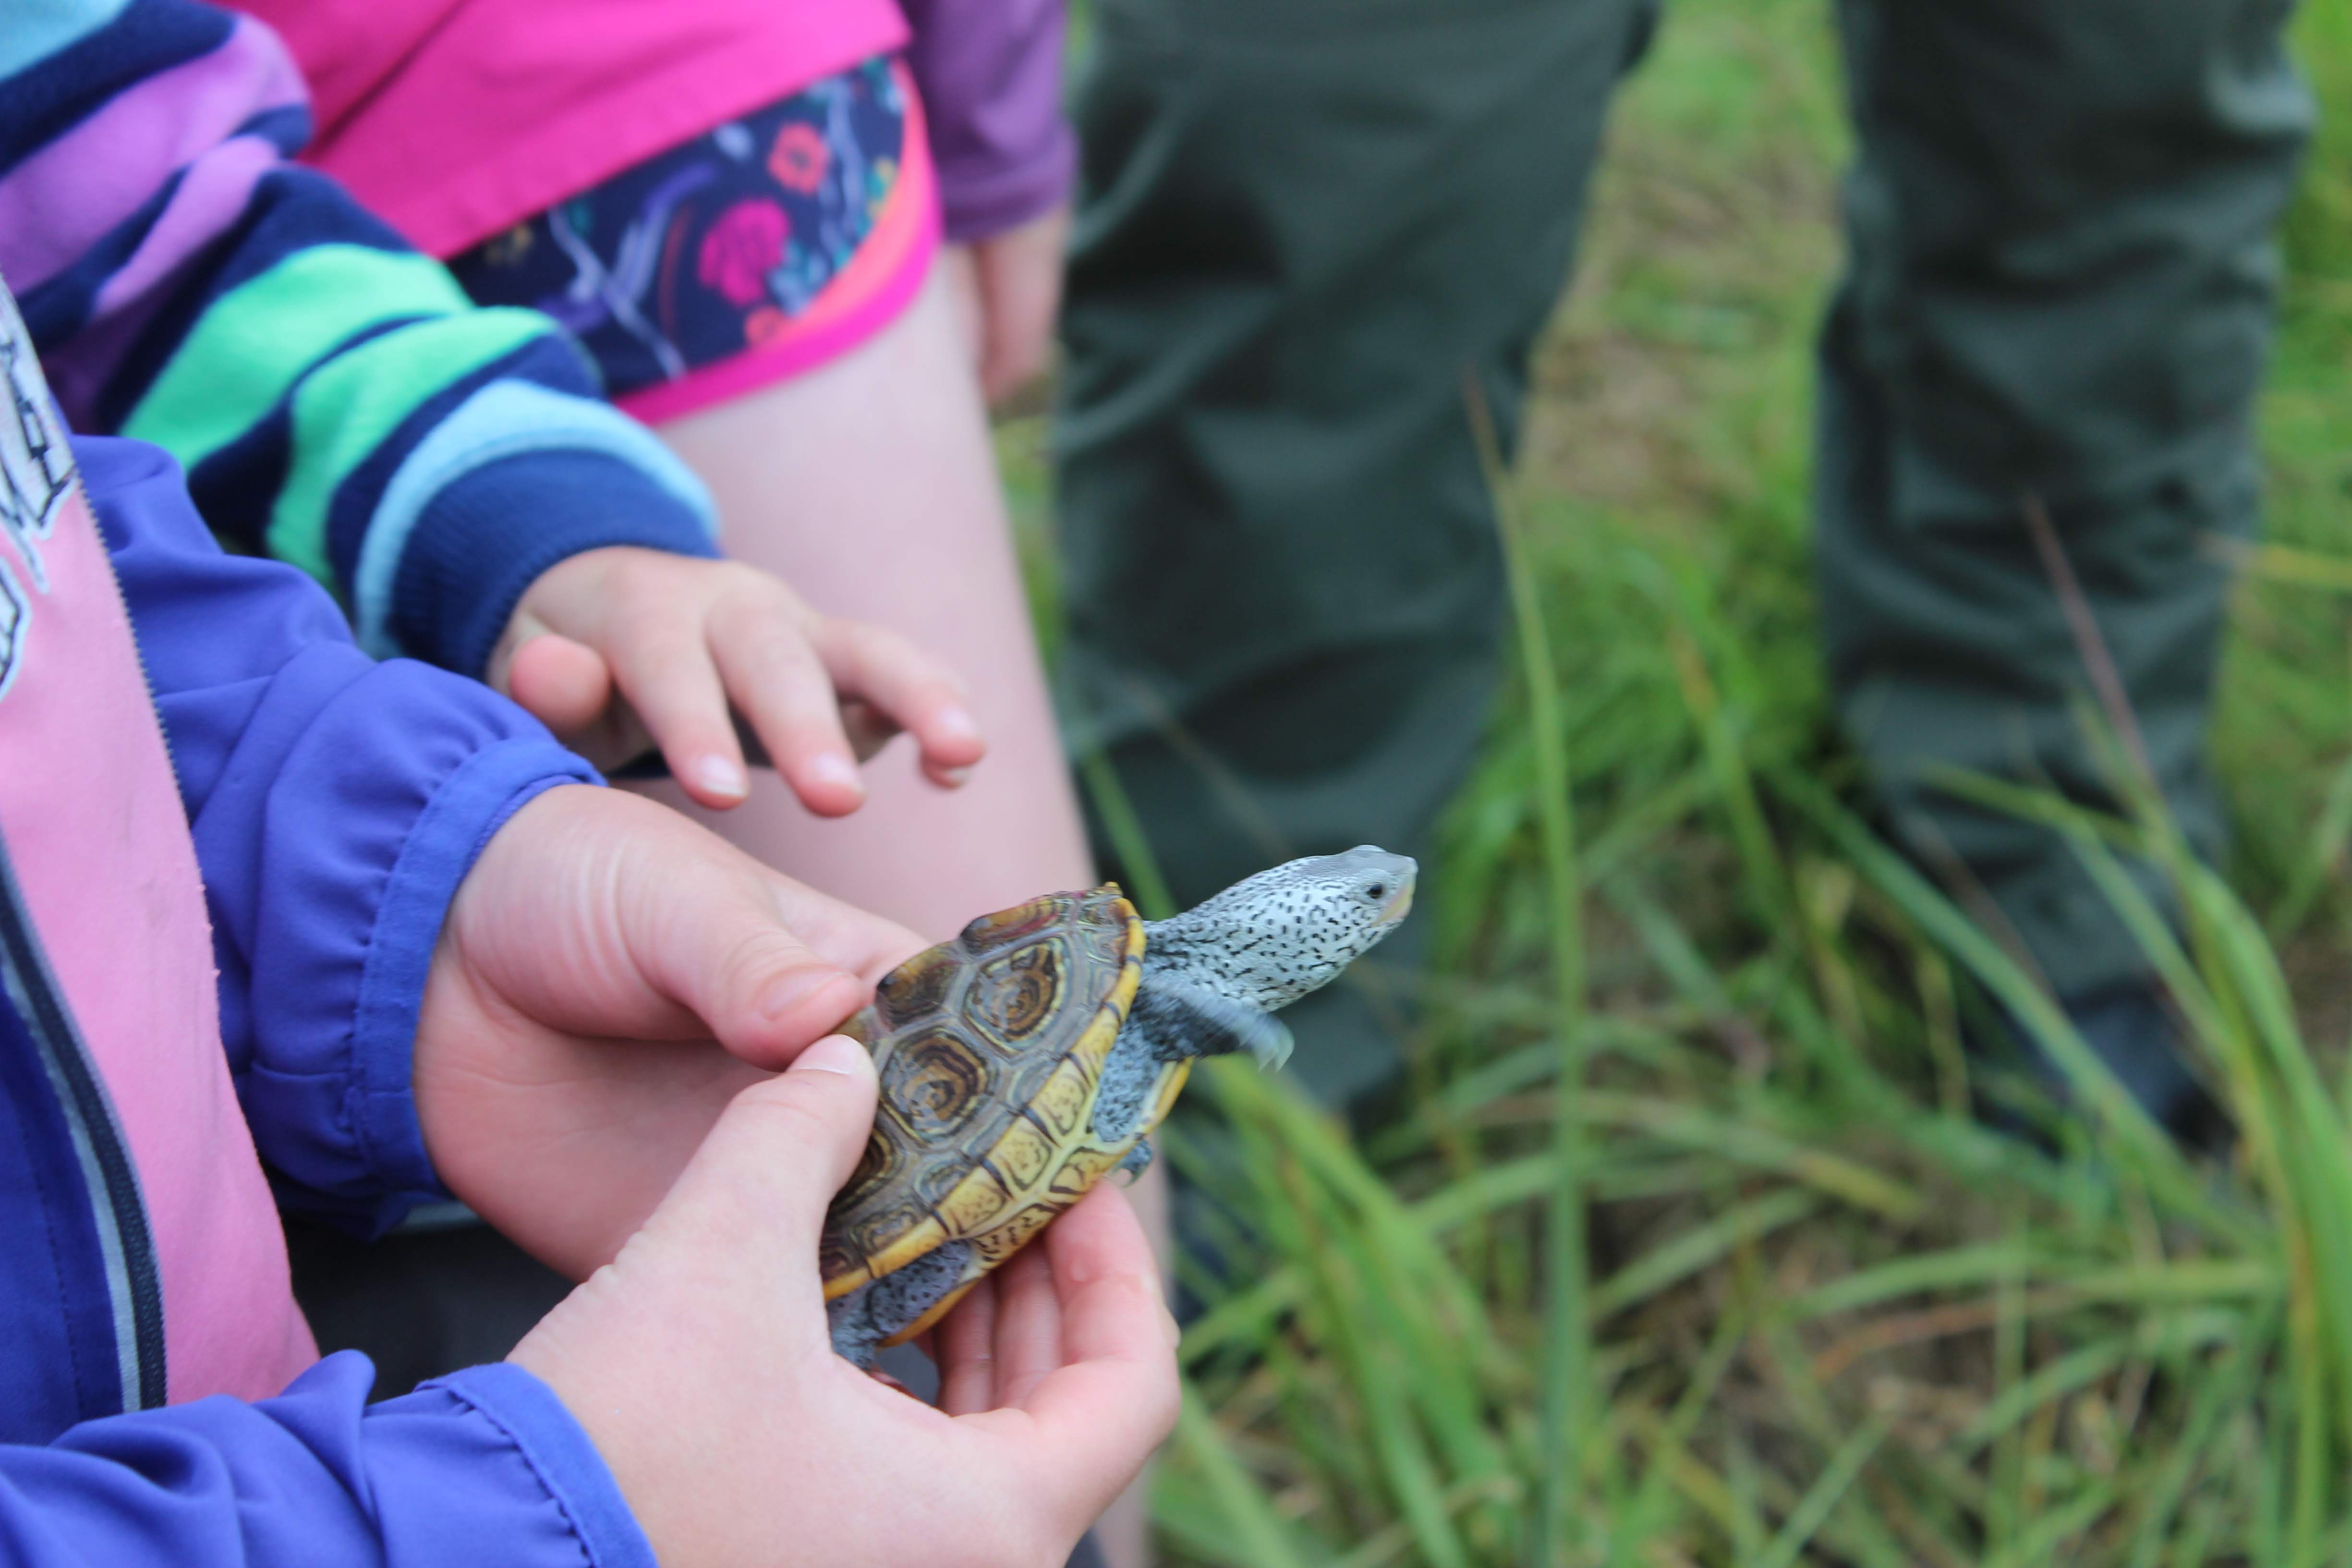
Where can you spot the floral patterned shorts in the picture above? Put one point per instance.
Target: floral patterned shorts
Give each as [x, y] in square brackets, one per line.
[770, 243]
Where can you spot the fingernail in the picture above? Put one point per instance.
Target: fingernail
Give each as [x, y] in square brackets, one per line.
[1168, 1326]
[833, 768]
[789, 994]
[835, 1053]
[954, 778]
[720, 776]
[956, 724]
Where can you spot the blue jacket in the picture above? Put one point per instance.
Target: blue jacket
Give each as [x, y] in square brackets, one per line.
[329, 805]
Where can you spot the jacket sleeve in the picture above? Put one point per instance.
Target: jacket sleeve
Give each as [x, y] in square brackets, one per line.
[335, 398]
[483, 1467]
[336, 804]
[991, 74]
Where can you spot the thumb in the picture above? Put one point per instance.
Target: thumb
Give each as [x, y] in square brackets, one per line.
[761, 990]
[726, 1268]
[707, 931]
[761, 1181]
[565, 685]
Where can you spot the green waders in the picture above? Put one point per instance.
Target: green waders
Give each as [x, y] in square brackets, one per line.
[2060, 288]
[1300, 219]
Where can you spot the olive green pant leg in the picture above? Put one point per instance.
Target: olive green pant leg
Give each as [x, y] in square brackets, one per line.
[2061, 285]
[1300, 223]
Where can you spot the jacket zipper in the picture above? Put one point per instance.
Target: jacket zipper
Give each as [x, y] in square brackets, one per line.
[107, 1168]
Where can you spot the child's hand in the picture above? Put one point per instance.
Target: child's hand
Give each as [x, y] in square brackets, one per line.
[699, 1364]
[610, 974]
[621, 650]
[1008, 291]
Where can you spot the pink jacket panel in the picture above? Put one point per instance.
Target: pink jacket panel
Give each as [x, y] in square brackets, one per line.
[106, 870]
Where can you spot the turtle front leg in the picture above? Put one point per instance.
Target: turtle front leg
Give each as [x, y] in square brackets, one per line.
[1183, 1019]
[1172, 1021]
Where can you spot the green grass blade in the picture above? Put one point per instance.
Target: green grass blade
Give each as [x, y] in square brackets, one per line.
[1568, 1413]
[1827, 1491]
[1697, 1248]
[1259, 1535]
[1127, 838]
[2224, 1389]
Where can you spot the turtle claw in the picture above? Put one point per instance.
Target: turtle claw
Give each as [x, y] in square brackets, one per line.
[1272, 1045]
[1130, 1170]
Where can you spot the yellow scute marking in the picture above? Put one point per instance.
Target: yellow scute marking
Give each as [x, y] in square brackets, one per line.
[1062, 1103]
[1170, 1088]
[1023, 1155]
[1083, 1169]
[977, 1200]
[1014, 1235]
[1095, 1043]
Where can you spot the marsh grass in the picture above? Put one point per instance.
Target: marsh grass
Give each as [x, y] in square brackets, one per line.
[1689, 1249]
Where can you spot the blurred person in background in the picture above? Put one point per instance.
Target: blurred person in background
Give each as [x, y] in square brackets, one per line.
[1301, 221]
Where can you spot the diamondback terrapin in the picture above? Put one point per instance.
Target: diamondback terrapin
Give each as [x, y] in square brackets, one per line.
[1026, 1059]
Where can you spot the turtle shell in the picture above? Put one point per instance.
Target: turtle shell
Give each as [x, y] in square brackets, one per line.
[990, 1049]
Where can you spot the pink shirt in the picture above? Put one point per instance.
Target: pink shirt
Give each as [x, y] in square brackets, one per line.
[108, 875]
[530, 101]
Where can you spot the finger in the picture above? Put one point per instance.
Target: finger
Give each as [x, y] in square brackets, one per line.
[962, 276]
[787, 694]
[1020, 328]
[521, 626]
[1092, 1423]
[758, 1188]
[1021, 283]
[709, 932]
[860, 942]
[915, 690]
[966, 1342]
[1028, 1325]
[563, 684]
[667, 674]
[1114, 1307]
[602, 913]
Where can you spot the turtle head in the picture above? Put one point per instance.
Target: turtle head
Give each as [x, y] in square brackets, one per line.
[1272, 938]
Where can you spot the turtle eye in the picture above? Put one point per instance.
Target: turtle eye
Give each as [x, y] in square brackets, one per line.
[1377, 891]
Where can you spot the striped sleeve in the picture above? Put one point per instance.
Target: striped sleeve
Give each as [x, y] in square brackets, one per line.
[336, 400]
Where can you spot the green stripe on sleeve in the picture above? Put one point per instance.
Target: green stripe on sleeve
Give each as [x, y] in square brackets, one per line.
[352, 404]
[256, 341]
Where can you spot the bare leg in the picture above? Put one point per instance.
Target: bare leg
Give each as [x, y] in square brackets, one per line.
[869, 486]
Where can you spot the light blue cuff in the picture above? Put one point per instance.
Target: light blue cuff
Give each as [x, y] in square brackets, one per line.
[39, 28]
[504, 419]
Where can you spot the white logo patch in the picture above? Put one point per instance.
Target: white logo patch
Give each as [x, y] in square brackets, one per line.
[37, 473]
